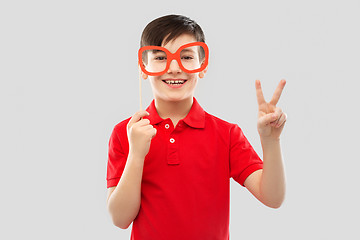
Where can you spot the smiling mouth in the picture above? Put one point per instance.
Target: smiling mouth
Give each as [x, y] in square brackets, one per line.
[174, 82]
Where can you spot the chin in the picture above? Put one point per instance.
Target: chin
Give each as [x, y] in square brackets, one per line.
[174, 98]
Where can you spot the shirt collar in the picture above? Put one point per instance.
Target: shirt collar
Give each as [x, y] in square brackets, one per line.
[195, 118]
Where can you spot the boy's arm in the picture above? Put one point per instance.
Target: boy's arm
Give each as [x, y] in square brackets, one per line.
[268, 184]
[123, 201]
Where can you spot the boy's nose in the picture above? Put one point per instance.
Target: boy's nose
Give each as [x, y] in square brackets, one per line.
[174, 67]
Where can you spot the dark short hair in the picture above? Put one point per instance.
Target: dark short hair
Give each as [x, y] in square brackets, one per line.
[164, 29]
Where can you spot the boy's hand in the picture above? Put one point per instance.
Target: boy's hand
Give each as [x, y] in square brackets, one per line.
[140, 132]
[271, 120]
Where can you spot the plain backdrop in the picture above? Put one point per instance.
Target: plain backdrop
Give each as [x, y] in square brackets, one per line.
[68, 72]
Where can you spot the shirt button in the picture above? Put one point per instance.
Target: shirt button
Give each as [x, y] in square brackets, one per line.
[167, 126]
[172, 140]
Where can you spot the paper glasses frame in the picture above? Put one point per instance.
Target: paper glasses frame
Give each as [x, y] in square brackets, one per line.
[176, 56]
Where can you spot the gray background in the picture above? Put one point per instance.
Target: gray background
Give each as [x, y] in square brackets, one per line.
[68, 73]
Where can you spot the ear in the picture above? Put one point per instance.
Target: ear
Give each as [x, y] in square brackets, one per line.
[202, 73]
[142, 74]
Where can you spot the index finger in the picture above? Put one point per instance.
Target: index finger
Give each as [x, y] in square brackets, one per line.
[137, 116]
[277, 93]
[259, 93]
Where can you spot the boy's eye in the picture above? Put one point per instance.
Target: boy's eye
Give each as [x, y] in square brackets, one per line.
[160, 58]
[187, 57]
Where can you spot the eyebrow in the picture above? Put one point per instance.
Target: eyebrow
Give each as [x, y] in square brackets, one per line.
[188, 50]
[156, 51]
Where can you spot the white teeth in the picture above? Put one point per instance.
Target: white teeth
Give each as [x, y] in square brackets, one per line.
[174, 81]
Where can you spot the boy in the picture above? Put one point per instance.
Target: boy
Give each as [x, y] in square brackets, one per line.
[169, 167]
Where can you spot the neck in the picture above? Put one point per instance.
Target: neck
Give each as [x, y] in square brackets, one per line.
[175, 110]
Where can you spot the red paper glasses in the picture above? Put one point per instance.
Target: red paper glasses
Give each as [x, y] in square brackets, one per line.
[191, 57]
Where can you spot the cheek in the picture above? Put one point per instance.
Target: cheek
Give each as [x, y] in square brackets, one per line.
[154, 79]
[155, 83]
[192, 77]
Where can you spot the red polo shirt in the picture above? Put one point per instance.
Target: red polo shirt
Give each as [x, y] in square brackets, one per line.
[185, 190]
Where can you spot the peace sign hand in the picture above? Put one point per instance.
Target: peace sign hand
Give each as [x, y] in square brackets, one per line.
[271, 119]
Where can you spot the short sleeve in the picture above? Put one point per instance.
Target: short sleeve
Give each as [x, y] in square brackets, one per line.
[116, 158]
[243, 158]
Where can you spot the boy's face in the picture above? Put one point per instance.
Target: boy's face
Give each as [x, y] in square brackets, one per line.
[163, 86]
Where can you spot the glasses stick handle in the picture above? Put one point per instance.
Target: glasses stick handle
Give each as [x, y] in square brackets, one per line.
[140, 93]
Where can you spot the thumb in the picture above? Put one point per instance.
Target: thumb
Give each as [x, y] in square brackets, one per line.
[137, 117]
[266, 119]
[154, 133]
